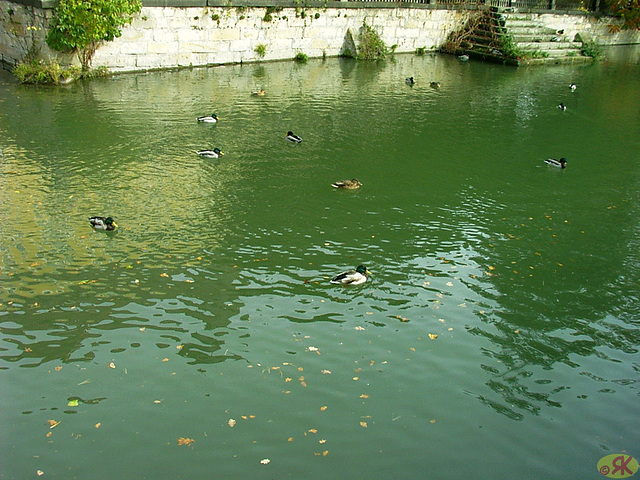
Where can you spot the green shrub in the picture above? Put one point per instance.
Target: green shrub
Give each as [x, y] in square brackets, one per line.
[591, 49]
[40, 72]
[261, 50]
[301, 57]
[80, 26]
[371, 45]
[421, 50]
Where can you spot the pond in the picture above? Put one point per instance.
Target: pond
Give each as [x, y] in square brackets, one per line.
[496, 337]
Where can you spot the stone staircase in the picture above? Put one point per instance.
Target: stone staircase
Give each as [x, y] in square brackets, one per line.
[515, 38]
[544, 44]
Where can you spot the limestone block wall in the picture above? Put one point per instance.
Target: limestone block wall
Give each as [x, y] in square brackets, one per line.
[166, 37]
[172, 37]
[198, 34]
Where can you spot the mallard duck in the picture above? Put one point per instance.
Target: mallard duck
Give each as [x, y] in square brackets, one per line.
[562, 163]
[292, 138]
[463, 58]
[215, 153]
[102, 223]
[435, 85]
[347, 184]
[562, 107]
[259, 93]
[352, 277]
[213, 118]
[573, 87]
[409, 81]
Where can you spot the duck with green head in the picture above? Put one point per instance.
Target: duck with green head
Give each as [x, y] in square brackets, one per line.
[102, 223]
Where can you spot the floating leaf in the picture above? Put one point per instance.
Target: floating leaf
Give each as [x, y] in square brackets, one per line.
[185, 441]
[322, 441]
[359, 328]
[449, 284]
[53, 423]
[313, 430]
[325, 453]
[290, 439]
[323, 408]
[325, 372]
[112, 365]
[364, 395]
[231, 422]
[97, 425]
[364, 424]
[58, 368]
[39, 473]
[165, 359]
[164, 274]
[265, 461]
[73, 403]
[433, 336]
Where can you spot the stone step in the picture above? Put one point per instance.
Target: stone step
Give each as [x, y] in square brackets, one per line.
[530, 30]
[548, 45]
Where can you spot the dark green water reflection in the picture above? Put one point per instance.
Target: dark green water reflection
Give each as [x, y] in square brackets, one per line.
[212, 302]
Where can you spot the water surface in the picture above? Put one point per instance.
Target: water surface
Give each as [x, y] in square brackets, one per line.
[496, 338]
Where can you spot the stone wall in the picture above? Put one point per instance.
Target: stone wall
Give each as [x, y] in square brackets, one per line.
[197, 35]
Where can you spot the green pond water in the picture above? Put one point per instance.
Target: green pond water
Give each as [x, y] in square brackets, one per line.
[497, 336]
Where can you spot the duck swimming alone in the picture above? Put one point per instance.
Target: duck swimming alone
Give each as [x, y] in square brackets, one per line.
[292, 138]
[573, 87]
[215, 153]
[409, 81]
[562, 107]
[463, 58]
[259, 93]
[562, 163]
[347, 184]
[435, 85]
[213, 118]
[102, 223]
[352, 277]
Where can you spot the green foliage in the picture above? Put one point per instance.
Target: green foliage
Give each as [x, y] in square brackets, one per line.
[316, 16]
[268, 14]
[421, 50]
[40, 72]
[215, 17]
[80, 25]
[628, 11]
[261, 50]
[591, 49]
[267, 17]
[301, 57]
[371, 45]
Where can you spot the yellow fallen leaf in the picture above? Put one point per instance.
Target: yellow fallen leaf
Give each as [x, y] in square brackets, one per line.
[363, 424]
[39, 473]
[112, 365]
[313, 430]
[53, 423]
[73, 403]
[185, 441]
[364, 395]
[265, 461]
[322, 440]
[290, 439]
[325, 372]
[231, 422]
[323, 408]
[97, 425]
[288, 379]
[325, 453]
[165, 359]
[433, 336]
[57, 369]
[164, 274]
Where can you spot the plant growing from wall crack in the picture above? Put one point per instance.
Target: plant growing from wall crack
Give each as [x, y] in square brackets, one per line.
[371, 45]
[79, 26]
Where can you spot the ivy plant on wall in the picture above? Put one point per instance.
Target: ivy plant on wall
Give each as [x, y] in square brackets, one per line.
[79, 26]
